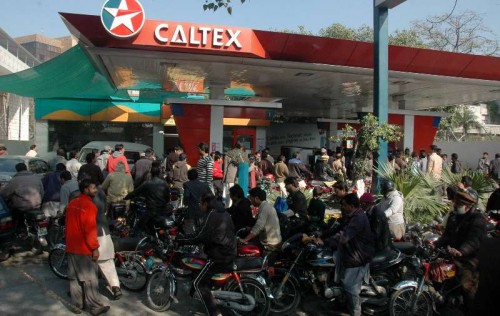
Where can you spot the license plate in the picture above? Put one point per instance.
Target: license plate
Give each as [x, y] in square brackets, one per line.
[42, 231]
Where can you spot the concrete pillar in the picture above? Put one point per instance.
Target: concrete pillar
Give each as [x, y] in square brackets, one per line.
[216, 128]
[158, 140]
[42, 136]
[260, 137]
[217, 116]
[408, 132]
[334, 126]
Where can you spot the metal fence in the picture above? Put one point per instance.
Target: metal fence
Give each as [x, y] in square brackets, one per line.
[17, 50]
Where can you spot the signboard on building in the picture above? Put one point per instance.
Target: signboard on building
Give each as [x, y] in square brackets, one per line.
[292, 135]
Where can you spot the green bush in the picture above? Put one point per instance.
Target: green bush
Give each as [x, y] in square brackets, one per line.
[421, 204]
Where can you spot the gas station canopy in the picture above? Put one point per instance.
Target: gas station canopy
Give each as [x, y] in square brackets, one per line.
[312, 76]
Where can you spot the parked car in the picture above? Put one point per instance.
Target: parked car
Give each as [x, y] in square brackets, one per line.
[132, 150]
[8, 167]
[6, 230]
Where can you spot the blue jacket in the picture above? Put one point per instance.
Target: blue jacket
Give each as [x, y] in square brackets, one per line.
[52, 187]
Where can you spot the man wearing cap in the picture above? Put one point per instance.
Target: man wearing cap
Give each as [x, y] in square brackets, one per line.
[465, 230]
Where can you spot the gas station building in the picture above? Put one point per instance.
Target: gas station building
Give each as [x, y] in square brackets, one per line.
[222, 84]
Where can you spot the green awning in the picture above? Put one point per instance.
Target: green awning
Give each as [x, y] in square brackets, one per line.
[70, 75]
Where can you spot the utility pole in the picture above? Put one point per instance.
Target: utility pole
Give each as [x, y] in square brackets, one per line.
[381, 68]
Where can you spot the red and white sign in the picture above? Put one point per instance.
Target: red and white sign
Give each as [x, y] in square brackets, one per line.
[123, 18]
[201, 36]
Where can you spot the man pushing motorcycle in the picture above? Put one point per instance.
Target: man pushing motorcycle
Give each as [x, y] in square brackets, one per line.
[355, 249]
[465, 230]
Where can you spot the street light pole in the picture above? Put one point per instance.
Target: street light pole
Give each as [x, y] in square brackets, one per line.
[381, 68]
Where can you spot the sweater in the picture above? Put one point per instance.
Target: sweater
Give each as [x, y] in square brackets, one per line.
[267, 226]
[81, 226]
[280, 172]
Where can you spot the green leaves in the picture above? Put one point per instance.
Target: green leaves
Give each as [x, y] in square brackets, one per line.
[421, 204]
[214, 5]
[458, 124]
[481, 183]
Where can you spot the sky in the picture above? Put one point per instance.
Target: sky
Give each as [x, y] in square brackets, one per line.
[24, 17]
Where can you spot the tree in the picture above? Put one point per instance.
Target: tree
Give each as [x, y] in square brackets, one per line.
[367, 139]
[364, 33]
[336, 30]
[409, 38]
[460, 117]
[214, 5]
[301, 29]
[461, 33]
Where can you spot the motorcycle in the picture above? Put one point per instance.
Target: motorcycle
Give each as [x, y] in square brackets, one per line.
[304, 268]
[436, 285]
[35, 230]
[134, 261]
[242, 290]
[493, 218]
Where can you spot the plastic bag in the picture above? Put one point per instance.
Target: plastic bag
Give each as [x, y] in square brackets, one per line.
[281, 205]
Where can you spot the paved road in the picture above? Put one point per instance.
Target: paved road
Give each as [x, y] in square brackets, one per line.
[28, 287]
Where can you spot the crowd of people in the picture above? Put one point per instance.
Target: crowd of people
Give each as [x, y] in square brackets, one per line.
[223, 189]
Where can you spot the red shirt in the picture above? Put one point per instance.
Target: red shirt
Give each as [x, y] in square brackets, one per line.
[217, 171]
[81, 226]
[113, 161]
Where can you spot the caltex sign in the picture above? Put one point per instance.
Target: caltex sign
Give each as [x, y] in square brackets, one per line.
[123, 18]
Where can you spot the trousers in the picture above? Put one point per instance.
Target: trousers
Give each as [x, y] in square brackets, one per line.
[83, 282]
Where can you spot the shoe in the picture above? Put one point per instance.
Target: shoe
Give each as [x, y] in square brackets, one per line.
[99, 311]
[117, 293]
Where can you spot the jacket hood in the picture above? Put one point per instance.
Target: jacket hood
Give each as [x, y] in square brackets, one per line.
[180, 163]
[120, 167]
[117, 154]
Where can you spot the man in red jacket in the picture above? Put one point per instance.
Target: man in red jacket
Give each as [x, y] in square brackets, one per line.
[118, 156]
[82, 248]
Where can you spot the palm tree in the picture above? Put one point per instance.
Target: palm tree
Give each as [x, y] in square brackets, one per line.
[464, 118]
[421, 204]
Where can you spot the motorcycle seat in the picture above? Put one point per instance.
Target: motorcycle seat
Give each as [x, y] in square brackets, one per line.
[241, 264]
[126, 244]
[382, 257]
[35, 215]
[408, 248]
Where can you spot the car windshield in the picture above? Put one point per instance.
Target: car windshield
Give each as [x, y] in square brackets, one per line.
[9, 165]
[83, 154]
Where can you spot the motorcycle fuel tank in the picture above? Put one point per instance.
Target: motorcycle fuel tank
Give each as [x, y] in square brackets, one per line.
[322, 258]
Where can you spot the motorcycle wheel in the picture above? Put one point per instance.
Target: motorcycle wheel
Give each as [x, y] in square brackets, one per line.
[58, 263]
[255, 289]
[401, 301]
[290, 296]
[158, 291]
[133, 276]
